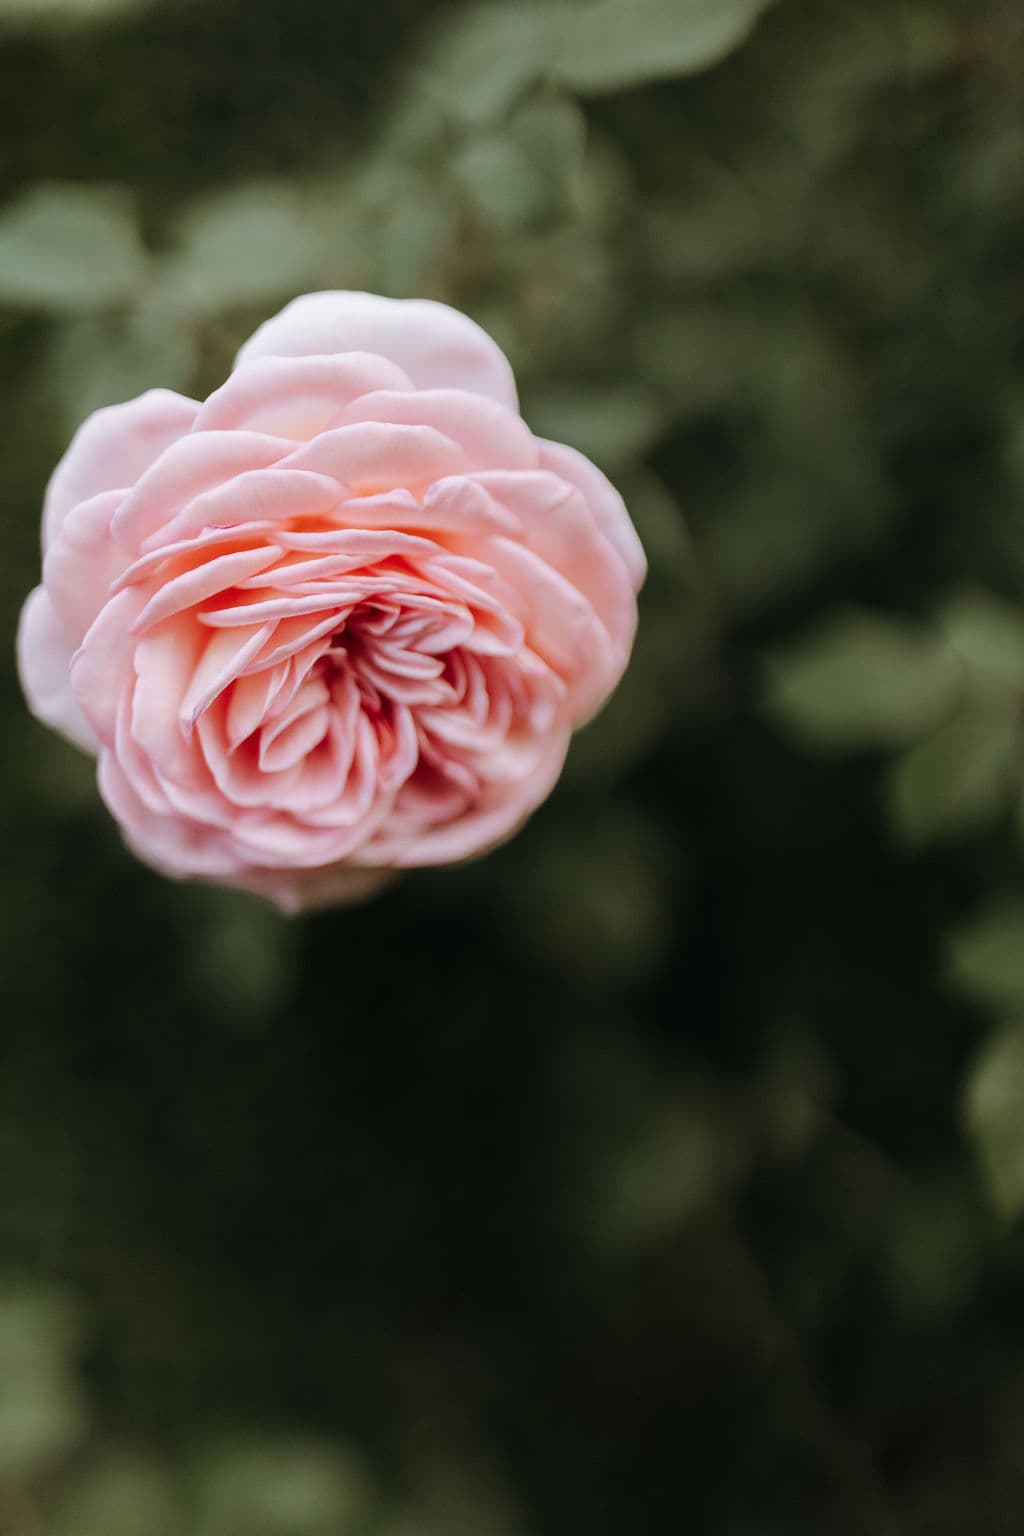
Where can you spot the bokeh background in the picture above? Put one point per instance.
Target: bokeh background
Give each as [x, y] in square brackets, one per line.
[661, 1171]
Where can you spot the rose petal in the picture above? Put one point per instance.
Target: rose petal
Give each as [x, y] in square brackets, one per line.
[186, 469]
[296, 397]
[558, 526]
[604, 501]
[83, 561]
[436, 346]
[112, 448]
[489, 435]
[372, 456]
[102, 667]
[45, 648]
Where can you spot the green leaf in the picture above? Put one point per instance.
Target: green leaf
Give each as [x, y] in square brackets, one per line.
[675, 1166]
[862, 680]
[410, 242]
[43, 11]
[69, 249]
[263, 1486]
[612, 44]
[490, 55]
[986, 957]
[42, 1412]
[253, 243]
[123, 1495]
[528, 173]
[988, 633]
[994, 1113]
[959, 779]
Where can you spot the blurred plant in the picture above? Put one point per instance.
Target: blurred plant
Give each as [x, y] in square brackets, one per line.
[666, 1156]
[951, 695]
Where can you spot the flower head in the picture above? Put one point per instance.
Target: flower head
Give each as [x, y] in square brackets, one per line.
[341, 617]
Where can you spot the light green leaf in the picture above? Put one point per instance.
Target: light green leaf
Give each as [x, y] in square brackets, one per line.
[674, 1167]
[42, 1412]
[529, 172]
[994, 1112]
[612, 44]
[411, 241]
[266, 1486]
[490, 55]
[124, 1495]
[959, 779]
[69, 249]
[862, 680]
[256, 242]
[986, 957]
[103, 359]
[988, 633]
[42, 11]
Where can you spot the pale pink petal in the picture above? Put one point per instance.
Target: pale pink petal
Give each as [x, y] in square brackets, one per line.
[45, 648]
[188, 553]
[186, 469]
[112, 448]
[296, 397]
[437, 347]
[180, 847]
[478, 828]
[604, 501]
[83, 561]
[102, 667]
[490, 436]
[165, 662]
[558, 526]
[254, 496]
[562, 628]
[202, 582]
[373, 456]
[221, 661]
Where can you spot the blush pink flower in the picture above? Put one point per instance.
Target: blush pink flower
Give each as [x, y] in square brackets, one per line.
[340, 618]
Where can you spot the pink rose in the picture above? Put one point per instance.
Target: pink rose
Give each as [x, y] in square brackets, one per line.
[340, 618]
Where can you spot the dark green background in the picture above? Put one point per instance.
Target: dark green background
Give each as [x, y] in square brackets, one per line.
[659, 1172]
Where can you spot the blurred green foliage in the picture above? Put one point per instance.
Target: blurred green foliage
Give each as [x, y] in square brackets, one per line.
[664, 1170]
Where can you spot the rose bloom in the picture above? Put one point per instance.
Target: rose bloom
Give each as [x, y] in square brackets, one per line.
[340, 618]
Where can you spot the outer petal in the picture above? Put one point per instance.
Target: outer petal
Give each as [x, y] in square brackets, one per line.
[196, 464]
[490, 437]
[112, 448]
[436, 346]
[83, 560]
[604, 502]
[559, 526]
[45, 648]
[178, 846]
[102, 665]
[296, 397]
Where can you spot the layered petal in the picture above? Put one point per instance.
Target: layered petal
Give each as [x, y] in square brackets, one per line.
[45, 648]
[437, 347]
[112, 448]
